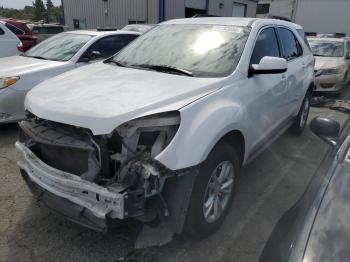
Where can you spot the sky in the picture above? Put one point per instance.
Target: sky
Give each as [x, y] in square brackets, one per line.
[19, 4]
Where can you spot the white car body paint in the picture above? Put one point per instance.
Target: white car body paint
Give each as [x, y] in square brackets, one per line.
[8, 42]
[100, 97]
[33, 71]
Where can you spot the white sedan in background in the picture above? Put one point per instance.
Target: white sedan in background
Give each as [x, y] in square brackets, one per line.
[332, 63]
[56, 55]
[8, 42]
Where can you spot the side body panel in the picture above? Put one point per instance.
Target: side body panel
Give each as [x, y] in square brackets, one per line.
[8, 42]
[12, 99]
[239, 105]
[256, 107]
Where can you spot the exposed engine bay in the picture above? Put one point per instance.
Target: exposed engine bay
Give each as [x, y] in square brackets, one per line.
[112, 176]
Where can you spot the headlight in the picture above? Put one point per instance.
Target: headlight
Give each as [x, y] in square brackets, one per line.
[151, 133]
[334, 71]
[8, 81]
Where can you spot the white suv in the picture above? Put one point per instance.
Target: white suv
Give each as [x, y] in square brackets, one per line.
[159, 131]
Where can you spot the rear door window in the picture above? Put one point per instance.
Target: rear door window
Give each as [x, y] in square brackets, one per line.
[266, 45]
[14, 29]
[111, 45]
[290, 45]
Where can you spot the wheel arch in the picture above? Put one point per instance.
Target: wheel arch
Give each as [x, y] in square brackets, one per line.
[236, 139]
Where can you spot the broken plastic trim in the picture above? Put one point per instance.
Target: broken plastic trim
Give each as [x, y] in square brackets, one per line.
[99, 200]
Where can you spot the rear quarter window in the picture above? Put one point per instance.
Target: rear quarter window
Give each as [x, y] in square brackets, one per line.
[303, 36]
[2, 31]
[14, 29]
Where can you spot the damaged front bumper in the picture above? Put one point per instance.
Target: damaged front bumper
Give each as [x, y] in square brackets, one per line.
[99, 181]
[98, 200]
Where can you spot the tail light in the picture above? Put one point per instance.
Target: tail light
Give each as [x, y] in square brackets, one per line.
[20, 47]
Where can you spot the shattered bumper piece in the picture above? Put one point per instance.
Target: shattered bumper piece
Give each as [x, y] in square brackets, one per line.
[66, 208]
[99, 201]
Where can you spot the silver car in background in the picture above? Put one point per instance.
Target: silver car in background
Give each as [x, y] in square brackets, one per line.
[52, 57]
[332, 63]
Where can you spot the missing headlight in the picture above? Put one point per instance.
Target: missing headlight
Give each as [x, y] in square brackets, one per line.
[152, 133]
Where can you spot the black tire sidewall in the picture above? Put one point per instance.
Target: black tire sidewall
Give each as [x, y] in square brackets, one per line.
[196, 224]
[296, 128]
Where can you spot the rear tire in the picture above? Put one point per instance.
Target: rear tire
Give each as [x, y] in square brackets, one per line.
[213, 191]
[301, 120]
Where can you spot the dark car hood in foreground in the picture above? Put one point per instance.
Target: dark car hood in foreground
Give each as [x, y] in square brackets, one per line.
[330, 236]
[317, 227]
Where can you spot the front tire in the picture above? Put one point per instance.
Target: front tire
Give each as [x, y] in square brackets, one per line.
[301, 120]
[213, 191]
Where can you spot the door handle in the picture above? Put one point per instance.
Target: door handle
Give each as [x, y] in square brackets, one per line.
[284, 77]
[303, 64]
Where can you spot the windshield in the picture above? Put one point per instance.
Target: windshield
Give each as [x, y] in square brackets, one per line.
[61, 47]
[203, 50]
[327, 48]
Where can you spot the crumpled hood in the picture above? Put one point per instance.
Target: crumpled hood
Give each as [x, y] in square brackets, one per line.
[103, 96]
[18, 65]
[328, 62]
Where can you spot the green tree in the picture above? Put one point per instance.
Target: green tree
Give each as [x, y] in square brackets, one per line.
[39, 10]
[50, 8]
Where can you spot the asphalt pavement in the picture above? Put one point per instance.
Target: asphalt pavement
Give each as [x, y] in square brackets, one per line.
[268, 187]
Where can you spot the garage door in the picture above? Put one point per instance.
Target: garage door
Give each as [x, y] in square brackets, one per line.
[239, 10]
[196, 4]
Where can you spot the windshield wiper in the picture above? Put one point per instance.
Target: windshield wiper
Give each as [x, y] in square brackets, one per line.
[165, 68]
[111, 61]
[38, 57]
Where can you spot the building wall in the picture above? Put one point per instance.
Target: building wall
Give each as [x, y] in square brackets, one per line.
[226, 10]
[119, 12]
[324, 16]
[320, 16]
[174, 9]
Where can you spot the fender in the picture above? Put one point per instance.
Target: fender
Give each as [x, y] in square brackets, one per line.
[203, 124]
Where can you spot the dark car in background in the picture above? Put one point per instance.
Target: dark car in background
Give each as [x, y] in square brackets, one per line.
[45, 31]
[22, 31]
[317, 227]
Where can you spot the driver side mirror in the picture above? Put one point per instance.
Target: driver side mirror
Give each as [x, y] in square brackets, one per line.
[327, 129]
[90, 56]
[269, 65]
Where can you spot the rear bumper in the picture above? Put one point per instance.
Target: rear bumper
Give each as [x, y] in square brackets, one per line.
[79, 194]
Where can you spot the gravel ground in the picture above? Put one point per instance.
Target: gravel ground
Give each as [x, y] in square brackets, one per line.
[267, 188]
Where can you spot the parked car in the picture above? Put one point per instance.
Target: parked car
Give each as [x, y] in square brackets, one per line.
[159, 131]
[141, 28]
[21, 30]
[50, 58]
[8, 41]
[45, 31]
[317, 227]
[332, 63]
